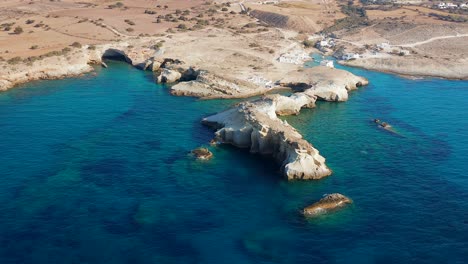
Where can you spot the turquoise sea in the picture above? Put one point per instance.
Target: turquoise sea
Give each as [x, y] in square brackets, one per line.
[95, 170]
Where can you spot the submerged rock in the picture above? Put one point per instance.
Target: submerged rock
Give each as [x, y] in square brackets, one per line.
[202, 153]
[385, 126]
[329, 203]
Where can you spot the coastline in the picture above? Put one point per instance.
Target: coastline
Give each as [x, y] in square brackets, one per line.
[405, 72]
[208, 79]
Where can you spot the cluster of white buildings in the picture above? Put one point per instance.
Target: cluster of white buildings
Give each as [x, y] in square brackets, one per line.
[325, 44]
[447, 5]
[294, 57]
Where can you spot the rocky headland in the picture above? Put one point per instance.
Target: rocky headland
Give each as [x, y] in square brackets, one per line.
[255, 124]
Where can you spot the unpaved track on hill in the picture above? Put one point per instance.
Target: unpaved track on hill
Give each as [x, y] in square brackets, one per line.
[432, 39]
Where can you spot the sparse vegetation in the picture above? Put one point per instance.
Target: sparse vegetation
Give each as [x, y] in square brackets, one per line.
[128, 21]
[357, 16]
[451, 18]
[116, 5]
[76, 44]
[14, 60]
[18, 30]
[33, 47]
[308, 43]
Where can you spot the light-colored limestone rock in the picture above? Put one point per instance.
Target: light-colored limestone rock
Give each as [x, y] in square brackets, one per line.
[326, 83]
[255, 125]
[168, 76]
[209, 85]
[329, 203]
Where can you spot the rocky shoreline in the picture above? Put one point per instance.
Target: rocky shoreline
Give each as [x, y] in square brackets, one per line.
[251, 124]
[408, 68]
[255, 124]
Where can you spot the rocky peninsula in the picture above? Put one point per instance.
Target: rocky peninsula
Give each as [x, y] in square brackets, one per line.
[255, 124]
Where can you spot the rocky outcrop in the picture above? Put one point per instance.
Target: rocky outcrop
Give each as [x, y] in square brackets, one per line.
[168, 76]
[202, 153]
[255, 125]
[209, 85]
[73, 63]
[327, 84]
[329, 203]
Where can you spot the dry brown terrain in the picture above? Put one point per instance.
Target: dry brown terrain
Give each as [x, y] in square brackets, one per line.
[428, 45]
[309, 16]
[206, 36]
[53, 25]
[226, 39]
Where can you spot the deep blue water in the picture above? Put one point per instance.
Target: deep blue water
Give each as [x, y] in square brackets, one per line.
[95, 170]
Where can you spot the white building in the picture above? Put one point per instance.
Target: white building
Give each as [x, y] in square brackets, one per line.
[350, 56]
[325, 43]
[443, 5]
[383, 45]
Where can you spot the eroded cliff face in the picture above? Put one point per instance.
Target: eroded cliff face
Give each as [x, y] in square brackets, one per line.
[74, 62]
[255, 125]
[327, 84]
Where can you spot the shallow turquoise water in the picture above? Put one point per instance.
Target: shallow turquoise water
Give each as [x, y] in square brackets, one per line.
[95, 170]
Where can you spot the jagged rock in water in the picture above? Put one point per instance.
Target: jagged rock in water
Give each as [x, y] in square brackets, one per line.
[202, 153]
[329, 203]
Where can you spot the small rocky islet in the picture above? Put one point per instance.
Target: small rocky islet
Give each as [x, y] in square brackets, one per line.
[202, 153]
[329, 203]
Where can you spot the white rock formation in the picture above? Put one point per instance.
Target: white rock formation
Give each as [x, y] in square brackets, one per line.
[255, 125]
[326, 83]
[169, 76]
